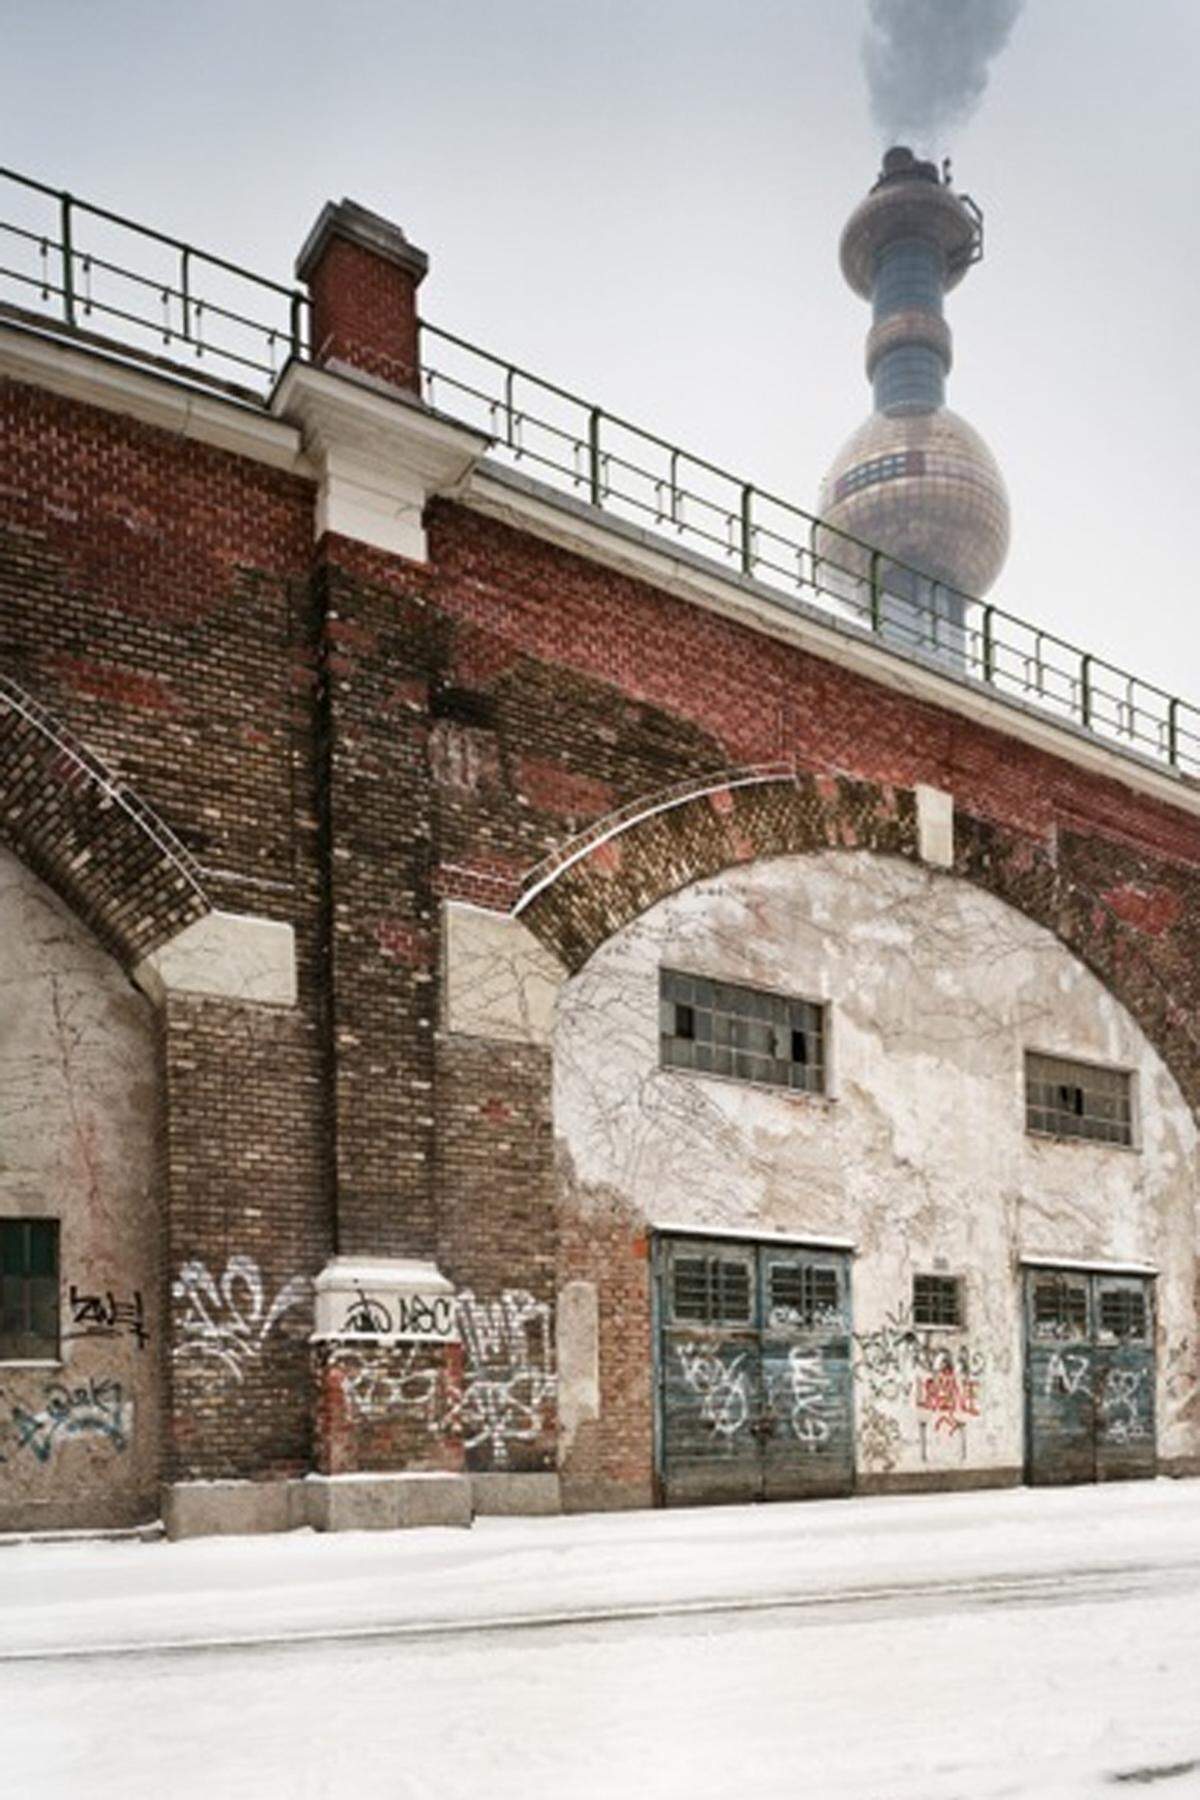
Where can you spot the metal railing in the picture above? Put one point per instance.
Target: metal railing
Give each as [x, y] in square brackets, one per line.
[88, 268]
[612, 464]
[61, 259]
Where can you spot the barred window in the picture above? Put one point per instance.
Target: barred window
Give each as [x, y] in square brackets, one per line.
[718, 1028]
[937, 1300]
[28, 1290]
[1060, 1308]
[1124, 1316]
[1065, 1099]
[804, 1294]
[711, 1290]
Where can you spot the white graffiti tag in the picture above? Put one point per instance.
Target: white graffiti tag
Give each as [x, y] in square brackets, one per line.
[228, 1321]
[1067, 1373]
[719, 1386]
[807, 1386]
[508, 1382]
[1125, 1406]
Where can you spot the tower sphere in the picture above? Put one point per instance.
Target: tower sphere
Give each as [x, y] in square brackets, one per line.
[915, 481]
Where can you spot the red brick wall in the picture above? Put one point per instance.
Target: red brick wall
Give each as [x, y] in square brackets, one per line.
[344, 739]
[364, 312]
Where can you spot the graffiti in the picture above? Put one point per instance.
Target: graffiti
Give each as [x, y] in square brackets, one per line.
[808, 1391]
[880, 1439]
[1125, 1406]
[888, 1358]
[414, 1316]
[1067, 1373]
[507, 1384]
[951, 1397]
[720, 1387]
[795, 1318]
[367, 1316]
[104, 1316]
[96, 1408]
[229, 1321]
[508, 1378]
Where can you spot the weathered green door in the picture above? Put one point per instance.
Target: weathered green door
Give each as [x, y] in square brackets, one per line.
[1089, 1374]
[753, 1375]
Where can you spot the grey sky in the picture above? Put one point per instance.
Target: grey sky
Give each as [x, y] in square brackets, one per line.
[643, 200]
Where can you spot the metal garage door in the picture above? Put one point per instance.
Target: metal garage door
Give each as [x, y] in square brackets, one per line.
[753, 1371]
[1089, 1376]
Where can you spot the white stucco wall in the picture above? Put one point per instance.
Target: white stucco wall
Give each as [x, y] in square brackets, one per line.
[78, 1109]
[919, 1154]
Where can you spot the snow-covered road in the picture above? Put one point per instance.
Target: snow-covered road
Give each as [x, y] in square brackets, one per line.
[1003, 1644]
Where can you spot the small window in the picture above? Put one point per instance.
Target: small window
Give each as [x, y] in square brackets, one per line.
[937, 1300]
[28, 1290]
[1123, 1315]
[710, 1290]
[1074, 1100]
[719, 1028]
[1060, 1309]
[804, 1295]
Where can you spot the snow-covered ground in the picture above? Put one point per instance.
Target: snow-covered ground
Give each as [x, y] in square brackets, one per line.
[1004, 1644]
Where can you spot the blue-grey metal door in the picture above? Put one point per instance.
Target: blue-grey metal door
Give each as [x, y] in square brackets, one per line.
[1090, 1376]
[753, 1371]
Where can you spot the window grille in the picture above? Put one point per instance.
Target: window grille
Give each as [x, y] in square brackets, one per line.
[937, 1300]
[1060, 1310]
[804, 1294]
[1066, 1099]
[28, 1290]
[1123, 1314]
[711, 1290]
[718, 1028]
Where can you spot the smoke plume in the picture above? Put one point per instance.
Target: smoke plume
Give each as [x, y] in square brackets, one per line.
[927, 63]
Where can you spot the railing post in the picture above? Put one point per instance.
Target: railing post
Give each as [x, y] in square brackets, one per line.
[68, 261]
[876, 605]
[989, 645]
[1085, 690]
[594, 481]
[747, 532]
[1173, 733]
[510, 429]
[185, 258]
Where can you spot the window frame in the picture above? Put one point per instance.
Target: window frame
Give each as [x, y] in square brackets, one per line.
[1082, 1063]
[28, 1276]
[957, 1283]
[819, 1069]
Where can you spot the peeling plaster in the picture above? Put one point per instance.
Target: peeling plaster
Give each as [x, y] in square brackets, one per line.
[919, 1152]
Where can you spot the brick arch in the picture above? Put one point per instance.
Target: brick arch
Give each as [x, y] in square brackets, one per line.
[89, 836]
[607, 877]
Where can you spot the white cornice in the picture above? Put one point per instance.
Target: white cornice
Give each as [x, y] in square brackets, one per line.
[379, 453]
[558, 519]
[95, 378]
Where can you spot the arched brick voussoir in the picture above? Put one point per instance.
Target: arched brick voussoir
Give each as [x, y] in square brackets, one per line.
[613, 872]
[609, 875]
[89, 836]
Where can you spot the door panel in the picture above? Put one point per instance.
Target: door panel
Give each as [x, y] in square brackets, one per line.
[1125, 1448]
[1089, 1376]
[753, 1372]
[808, 1443]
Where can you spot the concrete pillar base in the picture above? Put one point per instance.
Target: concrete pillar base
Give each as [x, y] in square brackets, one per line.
[388, 1502]
[523, 1494]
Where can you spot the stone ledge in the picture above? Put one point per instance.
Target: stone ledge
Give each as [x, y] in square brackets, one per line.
[528, 1494]
[938, 1481]
[231, 1508]
[386, 1502]
[224, 956]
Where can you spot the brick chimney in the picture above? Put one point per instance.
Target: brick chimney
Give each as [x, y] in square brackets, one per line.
[363, 275]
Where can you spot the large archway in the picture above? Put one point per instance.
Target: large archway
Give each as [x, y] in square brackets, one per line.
[917, 1154]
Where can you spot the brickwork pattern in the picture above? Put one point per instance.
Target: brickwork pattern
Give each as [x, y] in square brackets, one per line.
[364, 312]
